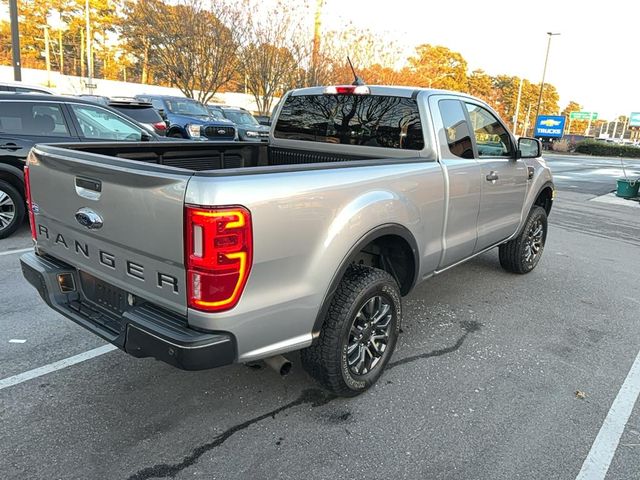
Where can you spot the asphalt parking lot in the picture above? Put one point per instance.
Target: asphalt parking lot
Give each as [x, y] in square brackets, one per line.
[496, 376]
[592, 175]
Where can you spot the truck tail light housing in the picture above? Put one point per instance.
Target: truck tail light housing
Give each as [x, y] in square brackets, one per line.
[218, 256]
[27, 191]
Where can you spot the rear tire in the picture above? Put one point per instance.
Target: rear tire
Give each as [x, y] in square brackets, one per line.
[522, 254]
[12, 209]
[359, 333]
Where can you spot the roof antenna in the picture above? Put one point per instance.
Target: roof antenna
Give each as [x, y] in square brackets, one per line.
[356, 80]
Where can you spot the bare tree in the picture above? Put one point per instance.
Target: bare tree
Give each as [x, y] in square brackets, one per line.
[197, 43]
[365, 49]
[272, 61]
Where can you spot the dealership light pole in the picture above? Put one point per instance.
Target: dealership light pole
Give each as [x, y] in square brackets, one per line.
[544, 73]
[515, 116]
[89, 83]
[15, 40]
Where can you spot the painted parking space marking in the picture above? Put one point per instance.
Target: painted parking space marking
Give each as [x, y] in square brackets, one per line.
[52, 367]
[604, 447]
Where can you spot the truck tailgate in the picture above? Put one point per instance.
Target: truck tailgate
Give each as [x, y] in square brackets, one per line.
[139, 246]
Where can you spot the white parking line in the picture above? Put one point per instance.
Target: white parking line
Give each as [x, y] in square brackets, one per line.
[604, 447]
[52, 367]
[11, 252]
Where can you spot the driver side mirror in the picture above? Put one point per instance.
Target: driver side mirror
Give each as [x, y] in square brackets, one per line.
[144, 136]
[528, 148]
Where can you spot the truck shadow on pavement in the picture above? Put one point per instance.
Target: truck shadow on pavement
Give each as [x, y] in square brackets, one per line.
[314, 397]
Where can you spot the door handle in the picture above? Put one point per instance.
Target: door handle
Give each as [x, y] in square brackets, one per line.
[492, 176]
[9, 146]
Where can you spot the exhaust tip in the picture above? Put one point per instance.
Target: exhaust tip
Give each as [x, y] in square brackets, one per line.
[280, 364]
[285, 369]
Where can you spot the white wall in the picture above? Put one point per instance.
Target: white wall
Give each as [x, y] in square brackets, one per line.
[67, 84]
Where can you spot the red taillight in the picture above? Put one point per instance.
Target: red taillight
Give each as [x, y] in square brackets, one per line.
[218, 257]
[160, 126]
[347, 90]
[27, 191]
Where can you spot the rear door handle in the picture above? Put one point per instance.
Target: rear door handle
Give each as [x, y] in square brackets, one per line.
[492, 176]
[9, 146]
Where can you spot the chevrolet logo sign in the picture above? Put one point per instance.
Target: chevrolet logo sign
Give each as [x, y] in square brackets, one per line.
[550, 122]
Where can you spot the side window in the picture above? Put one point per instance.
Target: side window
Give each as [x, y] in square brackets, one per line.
[157, 104]
[26, 118]
[29, 90]
[99, 124]
[456, 128]
[53, 112]
[492, 139]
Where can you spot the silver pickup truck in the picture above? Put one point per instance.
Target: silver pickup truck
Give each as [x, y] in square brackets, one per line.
[204, 255]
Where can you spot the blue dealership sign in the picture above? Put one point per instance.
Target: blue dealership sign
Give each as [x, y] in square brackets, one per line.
[549, 126]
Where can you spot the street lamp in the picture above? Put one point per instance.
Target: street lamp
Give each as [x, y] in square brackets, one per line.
[15, 40]
[544, 72]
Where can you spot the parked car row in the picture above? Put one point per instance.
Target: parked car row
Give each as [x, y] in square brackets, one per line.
[189, 119]
[30, 116]
[30, 119]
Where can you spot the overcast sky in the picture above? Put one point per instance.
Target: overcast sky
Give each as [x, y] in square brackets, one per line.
[595, 61]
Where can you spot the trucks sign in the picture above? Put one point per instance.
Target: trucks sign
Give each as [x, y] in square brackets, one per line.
[549, 126]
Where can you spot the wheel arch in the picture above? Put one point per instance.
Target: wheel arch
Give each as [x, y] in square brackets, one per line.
[176, 129]
[406, 255]
[13, 176]
[544, 198]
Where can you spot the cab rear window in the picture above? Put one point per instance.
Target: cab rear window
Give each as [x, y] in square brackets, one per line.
[367, 120]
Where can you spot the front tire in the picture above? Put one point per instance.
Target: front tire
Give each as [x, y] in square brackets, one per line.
[522, 254]
[12, 209]
[359, 333]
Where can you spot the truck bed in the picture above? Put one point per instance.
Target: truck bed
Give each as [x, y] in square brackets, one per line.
[208, 156]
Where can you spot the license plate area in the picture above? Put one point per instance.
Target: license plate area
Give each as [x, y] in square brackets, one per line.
[104, 295]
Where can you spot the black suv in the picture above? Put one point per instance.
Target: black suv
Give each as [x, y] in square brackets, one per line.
[141, 112]
[26, 120]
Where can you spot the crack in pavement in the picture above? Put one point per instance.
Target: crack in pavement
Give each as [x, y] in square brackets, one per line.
[314, 396]
[469, 326]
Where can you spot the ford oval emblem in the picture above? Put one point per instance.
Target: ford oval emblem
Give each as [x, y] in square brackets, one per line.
[221, 132]
[88, 218]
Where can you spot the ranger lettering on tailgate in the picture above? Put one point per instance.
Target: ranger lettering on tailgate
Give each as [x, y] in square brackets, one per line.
[106, 259]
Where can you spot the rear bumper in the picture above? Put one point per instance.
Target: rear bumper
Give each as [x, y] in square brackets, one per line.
[142, 330]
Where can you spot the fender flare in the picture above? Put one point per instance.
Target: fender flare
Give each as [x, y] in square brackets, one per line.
[176, 128]
[371, 235]
[547, 184]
